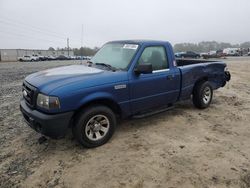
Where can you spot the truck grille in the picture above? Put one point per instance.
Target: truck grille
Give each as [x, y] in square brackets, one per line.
[29, 94]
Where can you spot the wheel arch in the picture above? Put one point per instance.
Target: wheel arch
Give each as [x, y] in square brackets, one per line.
[108, 102]
[200, 80]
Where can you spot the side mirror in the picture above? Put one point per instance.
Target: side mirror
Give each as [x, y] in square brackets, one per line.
[144, 69]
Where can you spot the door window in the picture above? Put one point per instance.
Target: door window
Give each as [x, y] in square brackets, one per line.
[155, 55]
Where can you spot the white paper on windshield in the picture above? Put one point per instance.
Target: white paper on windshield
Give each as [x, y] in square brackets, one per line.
[130, 46]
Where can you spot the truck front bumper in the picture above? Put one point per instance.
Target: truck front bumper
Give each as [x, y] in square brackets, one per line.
[51, 125]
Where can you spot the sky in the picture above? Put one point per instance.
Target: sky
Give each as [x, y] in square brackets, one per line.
[41, 24]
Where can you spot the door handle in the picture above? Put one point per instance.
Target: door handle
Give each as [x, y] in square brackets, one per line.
[170, 77]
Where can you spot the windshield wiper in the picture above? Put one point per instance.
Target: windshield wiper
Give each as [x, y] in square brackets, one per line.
[106, 65]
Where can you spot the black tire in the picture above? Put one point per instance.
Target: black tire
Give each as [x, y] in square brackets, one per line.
[83, 121]
[201, 96]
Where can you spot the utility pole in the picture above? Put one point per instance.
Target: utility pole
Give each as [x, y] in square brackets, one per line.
[68, 45]
[81, 45]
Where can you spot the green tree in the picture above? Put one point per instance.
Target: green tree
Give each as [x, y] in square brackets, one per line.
[206, 46]
[245, 45]
[85, 51]
[51, 49]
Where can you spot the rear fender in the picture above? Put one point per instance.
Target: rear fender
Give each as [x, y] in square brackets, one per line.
[217, 76]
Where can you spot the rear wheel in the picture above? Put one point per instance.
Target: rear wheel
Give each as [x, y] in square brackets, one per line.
[202, 95]
[94, 126]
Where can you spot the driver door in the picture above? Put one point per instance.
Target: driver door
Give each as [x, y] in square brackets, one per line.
[156, 89]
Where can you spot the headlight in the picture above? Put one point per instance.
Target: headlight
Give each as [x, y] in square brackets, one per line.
[47, 102]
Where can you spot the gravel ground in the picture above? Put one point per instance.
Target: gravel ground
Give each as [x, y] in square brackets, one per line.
[184, 147]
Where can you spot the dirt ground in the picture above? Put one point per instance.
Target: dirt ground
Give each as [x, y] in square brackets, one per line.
[184, 147]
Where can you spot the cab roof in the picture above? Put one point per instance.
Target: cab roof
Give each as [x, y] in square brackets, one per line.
[140, 42]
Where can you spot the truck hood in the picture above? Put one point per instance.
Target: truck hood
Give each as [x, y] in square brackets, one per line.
[49, 80]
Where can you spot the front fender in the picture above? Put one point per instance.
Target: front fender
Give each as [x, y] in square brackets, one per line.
[96, 96]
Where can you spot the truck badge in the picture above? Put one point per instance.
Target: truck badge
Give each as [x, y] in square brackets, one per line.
[122, 86]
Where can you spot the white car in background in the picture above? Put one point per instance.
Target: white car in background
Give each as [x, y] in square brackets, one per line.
[51, 58]
[232, 51]
[28, 58]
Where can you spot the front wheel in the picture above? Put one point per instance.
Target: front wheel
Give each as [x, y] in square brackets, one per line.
[94, 126]
[202, 95]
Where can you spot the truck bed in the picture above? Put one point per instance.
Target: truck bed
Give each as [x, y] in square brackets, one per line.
[198, 69]
[183, 62]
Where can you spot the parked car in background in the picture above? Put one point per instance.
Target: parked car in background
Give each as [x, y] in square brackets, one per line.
[51, 58]
[232, 51]
[248, 53]
[28, 58]
[203, 53]
[72, 57]
[213, 54]
[188, 54]
[178, 54]
[62, 57]
[40, 57]
[78, 57]
[88, 57]
[85, 58]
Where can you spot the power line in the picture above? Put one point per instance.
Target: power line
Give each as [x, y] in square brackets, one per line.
[30, 30]
[17, 27]
[29, 25]
[32, 27]
[27, 37]
[30, 38]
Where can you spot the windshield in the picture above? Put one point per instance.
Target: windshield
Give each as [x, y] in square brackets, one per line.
[117, 55]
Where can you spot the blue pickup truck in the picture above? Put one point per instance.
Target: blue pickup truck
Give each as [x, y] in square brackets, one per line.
[124, 79]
